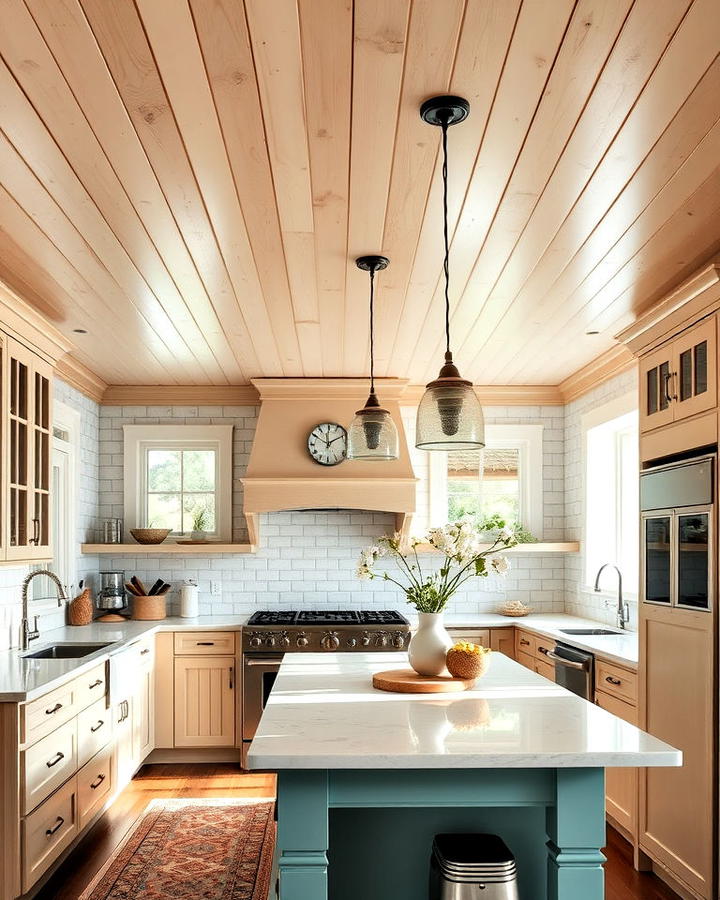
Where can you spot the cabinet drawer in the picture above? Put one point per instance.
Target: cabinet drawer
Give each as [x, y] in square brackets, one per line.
[527, 660]
[48, 763]
[543, 646]
[616, 681]
[546, 669]
[94, 784]
[524, 642]
[91, 686]
[94, 730]
[479, 636]
[204, 643]
[47, 832]
[40, 717]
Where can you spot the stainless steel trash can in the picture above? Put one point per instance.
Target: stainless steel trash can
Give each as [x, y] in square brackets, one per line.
[472, 867]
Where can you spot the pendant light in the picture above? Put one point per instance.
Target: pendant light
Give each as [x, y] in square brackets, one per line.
[449, 416]
[372, 433]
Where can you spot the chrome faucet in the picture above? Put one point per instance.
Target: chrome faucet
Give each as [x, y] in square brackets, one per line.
[28, 634]
[623, 609]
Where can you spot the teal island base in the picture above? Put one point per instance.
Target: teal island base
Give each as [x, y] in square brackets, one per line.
[354, 835]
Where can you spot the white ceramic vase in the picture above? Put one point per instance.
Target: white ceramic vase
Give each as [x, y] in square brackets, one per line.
[429, 645]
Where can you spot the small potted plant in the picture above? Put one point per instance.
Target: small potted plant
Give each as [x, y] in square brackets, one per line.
[199, 523]
[430, 591]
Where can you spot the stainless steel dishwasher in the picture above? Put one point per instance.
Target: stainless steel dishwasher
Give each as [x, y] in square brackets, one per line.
[574, 670]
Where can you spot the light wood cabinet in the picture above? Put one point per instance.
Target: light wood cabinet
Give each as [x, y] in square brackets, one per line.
[27, 405]
[123, 740]
[144, 702]
[94, 785]
[205, 643]
[47, 764]
[503, 641]
[524, 643]
[205, 701]
[677, 705]
[621, 785]
[679, 379]
[47, 832]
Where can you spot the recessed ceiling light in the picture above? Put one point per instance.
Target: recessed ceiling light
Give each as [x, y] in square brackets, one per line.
[79, 330]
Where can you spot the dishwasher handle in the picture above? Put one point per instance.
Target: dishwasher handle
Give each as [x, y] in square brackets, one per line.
[567, 662]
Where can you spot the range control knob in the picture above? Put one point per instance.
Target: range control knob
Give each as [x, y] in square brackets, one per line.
[398, 641]
[270, 642]
[330, 641]
[352, 642]
[255, 640]
[381, 639]
[365, 639]
[302, 641]
[284, 640]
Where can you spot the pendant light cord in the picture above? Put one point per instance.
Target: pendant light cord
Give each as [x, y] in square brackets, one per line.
[446, 261]
[372, 330]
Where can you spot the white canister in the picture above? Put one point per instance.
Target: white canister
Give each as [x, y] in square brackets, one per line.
[189, 605]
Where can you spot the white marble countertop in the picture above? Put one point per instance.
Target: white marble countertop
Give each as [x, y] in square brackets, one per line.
[323, 713]
[621, 647]
[22, 678]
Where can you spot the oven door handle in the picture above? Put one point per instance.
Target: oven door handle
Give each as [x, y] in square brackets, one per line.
[566, 662]
[262, 662]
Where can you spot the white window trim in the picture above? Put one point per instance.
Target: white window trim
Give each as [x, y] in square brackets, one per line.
[528, 441]
[613, 409]
[139, 438]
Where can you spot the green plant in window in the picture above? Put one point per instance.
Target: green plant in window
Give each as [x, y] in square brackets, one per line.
[200, 518]
[496, 523]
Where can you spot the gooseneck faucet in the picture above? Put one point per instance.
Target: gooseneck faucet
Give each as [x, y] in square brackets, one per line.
[28, 634]
[623, 609]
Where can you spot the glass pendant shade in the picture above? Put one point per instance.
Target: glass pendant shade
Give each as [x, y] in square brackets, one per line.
[372, 433]
[450, 416]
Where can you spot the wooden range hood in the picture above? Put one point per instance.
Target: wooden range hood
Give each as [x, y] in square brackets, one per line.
[282, 476]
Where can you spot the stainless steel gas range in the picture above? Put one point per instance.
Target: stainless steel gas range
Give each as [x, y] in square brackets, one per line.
[268, 636]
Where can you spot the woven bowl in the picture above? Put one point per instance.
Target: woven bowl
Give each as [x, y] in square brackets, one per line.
[467, 665]
[150, 535]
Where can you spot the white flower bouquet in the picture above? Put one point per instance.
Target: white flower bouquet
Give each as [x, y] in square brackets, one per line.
[465, 558]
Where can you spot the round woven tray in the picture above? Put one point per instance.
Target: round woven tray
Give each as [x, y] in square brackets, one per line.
[514, 613]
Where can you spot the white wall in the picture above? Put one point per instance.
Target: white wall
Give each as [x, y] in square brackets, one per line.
[11, 577]
[579, 600]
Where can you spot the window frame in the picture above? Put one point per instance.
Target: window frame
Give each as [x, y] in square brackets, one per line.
[617, 408]
[138, 439]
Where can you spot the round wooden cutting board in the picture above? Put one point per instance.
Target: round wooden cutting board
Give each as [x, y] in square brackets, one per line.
[406, 681]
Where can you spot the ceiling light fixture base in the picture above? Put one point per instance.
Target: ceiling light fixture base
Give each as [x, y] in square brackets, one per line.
[445, 110]
[372, 263]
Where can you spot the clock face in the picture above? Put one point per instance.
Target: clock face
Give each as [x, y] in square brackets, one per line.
[327, 444]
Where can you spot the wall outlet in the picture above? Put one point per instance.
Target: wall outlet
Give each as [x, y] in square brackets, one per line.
[216, 588]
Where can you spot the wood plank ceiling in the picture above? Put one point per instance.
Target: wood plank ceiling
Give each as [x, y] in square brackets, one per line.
[191, 180]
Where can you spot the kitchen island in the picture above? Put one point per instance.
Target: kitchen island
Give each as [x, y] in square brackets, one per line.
[366, 777]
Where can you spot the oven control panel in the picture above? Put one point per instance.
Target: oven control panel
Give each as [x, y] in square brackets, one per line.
[324, 640]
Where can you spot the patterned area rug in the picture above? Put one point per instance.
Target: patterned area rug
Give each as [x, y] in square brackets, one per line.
[192, 849]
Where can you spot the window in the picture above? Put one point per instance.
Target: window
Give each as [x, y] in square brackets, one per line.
[611, 490]
[485, 484]
[179, 477]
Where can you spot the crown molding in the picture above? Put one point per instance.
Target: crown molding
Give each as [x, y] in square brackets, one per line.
[613, 362]
[20, 321]
[180, 395]
[696, 297]
[77, 375]
[312, 388]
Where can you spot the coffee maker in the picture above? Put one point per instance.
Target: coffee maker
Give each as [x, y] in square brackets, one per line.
[111, 597]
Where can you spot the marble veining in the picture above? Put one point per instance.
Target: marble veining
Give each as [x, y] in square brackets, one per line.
[323, 713]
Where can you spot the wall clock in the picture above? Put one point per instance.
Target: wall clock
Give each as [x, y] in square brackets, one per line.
[327, 444]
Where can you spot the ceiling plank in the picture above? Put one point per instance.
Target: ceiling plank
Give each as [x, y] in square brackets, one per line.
[181, 67]
[598, 161]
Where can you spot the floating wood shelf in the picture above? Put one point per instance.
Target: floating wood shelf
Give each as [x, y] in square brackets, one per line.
[539, 547]
[166, 549]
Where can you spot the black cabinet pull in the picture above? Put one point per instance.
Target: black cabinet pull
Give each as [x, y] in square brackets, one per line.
[143, 652]
[524, 643]
[35, 539]
[612, 680]
[96, 784]
[54, 709]
[232, 672]
[60, 822]
[543, 650]
[97, 727]
[53, 762]
[95, 683]
[204, 643]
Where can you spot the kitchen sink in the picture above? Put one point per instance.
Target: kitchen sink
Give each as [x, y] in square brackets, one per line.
[65, 651]
[589, 631]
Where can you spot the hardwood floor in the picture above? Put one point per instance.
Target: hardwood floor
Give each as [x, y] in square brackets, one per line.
[68, 883]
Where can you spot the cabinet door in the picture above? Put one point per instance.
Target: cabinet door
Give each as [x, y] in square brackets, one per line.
[144, 705]
[503, 640]
[28, 402]
[694, 383]
[205, 701]
[621, 785]
[656, 388]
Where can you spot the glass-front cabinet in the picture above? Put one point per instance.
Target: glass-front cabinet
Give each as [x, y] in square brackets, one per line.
[678, 541]
[27, 390]
[679, 379]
